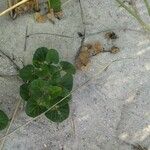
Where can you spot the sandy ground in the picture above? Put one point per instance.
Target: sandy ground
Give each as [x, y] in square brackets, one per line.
[112, 110]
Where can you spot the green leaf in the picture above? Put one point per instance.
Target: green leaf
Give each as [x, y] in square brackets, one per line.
[45, 101]
[51, 102]
[58, 113]
[40, 56]
[37, 88]
[56, 78]
[27, 73]
[53, 69]
[67, 81]
[24, 91]
[43, 71]
[66, 100]
[65, 97]
[55, 91]
[3, 120]
[68, 67]
[56, 5]
[52, 56]
[33, 109]
[65, 92]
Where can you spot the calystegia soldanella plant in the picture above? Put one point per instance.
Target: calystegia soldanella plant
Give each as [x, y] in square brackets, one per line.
[47, 85]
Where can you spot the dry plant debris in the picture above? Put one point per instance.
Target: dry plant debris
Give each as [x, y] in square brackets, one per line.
[51, 16]
[26, 7]
[59, 15]
[40, 18]
[111, 36]
[87, 51]
[34, 6]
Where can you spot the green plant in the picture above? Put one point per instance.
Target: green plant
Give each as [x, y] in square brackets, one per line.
[46, 82]
[55, 5]
[3, 120]
[133, 11]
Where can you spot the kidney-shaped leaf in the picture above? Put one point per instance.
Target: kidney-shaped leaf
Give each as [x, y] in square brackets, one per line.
[48, 101]
[67, 95]
[63, 100]
[43, 71]
[53, 69]
[3, 120]
[36, 88]
[24, 91]
[68, 67]
[27, 73]
[67, 81]
[44, 101]
[58, 113]
[55, 79]
[33, 109]
[52, 56]
[55, 90]
[39, 56]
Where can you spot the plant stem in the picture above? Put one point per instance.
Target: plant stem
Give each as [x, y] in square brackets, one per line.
[135, 15]
[49, 6]
[147, 6]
